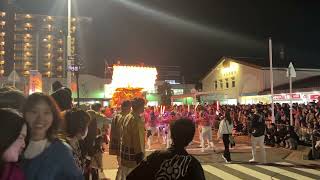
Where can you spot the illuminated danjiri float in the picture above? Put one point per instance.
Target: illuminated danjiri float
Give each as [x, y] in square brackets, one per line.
[129, 82]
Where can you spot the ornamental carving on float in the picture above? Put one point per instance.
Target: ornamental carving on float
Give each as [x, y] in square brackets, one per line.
[123, 94]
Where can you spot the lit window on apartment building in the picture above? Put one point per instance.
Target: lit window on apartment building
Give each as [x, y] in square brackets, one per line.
[2, 23]
[3, 14]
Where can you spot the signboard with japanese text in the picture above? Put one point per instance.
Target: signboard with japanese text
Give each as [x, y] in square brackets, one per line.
[314, 96]
[279, 97]
[286, 96]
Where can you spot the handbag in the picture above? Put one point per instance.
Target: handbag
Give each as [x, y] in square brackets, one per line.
[231, 138]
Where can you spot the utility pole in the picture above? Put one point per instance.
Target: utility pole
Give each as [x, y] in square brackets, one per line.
[271, 80]
[291, 73]
[69, 45]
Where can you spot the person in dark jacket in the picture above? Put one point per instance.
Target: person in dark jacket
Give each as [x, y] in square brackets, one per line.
[87, 146]
[291, 138]
[270, 137]
[174, 163]
[280, 136]
[257, 131]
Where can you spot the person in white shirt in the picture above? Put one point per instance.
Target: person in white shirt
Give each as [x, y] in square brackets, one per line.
[224, 132]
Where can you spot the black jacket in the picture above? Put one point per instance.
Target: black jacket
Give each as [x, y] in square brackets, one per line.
[87, 145]
[258, 125]
[173, 163]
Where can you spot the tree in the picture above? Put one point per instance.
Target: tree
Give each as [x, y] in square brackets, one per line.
[165, 92]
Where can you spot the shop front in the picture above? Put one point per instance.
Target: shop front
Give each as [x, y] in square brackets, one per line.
[297, 97]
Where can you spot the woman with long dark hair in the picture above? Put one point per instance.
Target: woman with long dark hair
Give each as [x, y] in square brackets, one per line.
[12, 142]
[224, 132]
[46, 157]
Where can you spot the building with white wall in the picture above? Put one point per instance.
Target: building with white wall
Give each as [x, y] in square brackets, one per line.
[241, 80]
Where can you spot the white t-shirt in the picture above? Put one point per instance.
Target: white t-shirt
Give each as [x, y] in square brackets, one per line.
[35, 148]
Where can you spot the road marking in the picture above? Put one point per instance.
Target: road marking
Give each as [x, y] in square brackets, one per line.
[110, 173]
[307, 170]
[219, 173]
[284, 163]
[284, 172]
[250, 172]
[311, 171]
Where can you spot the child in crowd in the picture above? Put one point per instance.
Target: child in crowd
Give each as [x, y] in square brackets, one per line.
[270, 137]
[279, 136]
[291, 138]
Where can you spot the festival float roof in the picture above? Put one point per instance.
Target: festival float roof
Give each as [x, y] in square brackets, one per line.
[132, 76]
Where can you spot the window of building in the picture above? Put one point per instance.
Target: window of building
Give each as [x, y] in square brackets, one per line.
[233, 79]
[221, 84]
[227, 83]
[215, 84]
[2, 23]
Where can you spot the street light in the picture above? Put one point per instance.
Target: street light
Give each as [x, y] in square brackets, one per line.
[69, 45]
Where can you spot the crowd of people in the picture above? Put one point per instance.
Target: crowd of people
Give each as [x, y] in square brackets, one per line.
[50, 138]
[47, 137]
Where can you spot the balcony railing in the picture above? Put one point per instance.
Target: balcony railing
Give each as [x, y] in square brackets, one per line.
[22, 49]
[19, 29]
[22, 58]
[60, 59]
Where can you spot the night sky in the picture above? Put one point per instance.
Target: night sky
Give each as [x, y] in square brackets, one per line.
[193, 34]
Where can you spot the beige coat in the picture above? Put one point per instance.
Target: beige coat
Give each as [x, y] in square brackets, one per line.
[132, 140]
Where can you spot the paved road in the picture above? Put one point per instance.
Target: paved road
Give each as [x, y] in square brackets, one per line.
[237, 171]
[215, 167]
